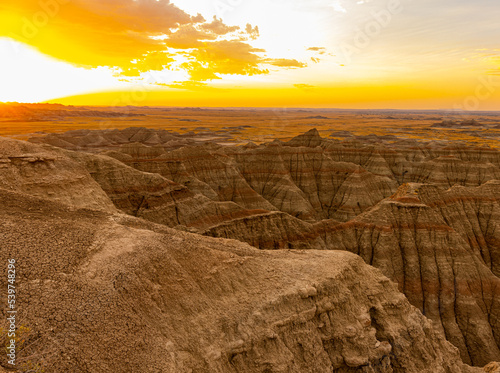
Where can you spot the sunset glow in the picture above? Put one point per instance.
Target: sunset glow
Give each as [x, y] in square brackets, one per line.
[302, 53]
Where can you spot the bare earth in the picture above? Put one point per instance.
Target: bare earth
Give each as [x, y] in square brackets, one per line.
[251, 240]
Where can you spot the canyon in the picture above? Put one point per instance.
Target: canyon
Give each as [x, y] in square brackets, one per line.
[175, 252]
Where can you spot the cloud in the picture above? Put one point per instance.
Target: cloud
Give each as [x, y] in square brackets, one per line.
[304, 87]
[134, 36]
[93, 33]
[316, 49]
[152, 61]
[285, 62]
[229, 57]
[489, 57]
[315, 60]
[319, 50]
[253, 32]
[199, 72]
[187, 37]
[150, 16]
[218, 27]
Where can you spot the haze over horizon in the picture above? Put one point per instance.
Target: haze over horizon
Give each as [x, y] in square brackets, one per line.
[370, 54]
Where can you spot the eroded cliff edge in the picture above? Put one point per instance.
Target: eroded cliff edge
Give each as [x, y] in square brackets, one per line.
[111, 293]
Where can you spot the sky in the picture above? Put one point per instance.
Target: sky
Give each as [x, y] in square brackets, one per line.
[407, 54]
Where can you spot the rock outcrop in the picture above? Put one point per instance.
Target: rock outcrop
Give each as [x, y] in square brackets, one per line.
[43, 172]
[111, 293]
[449, 280]
[152, 197]
[270, 231]
[306, 183]
[426, 213]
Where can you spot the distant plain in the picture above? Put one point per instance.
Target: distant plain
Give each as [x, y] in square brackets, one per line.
[241, 125]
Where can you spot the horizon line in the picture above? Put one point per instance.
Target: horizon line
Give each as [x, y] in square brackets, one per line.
[455, 111]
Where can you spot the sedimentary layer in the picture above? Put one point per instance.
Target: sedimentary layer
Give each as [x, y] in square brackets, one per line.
[112, 293]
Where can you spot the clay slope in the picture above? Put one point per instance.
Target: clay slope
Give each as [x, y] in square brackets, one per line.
[153, 197]
[303, 182]
[309, 177]
[110, 293]
[447, 171]
[417, 238]
[98, 182]
[270, 231]
[109, 139]
[474, 213]
[299, 177]
[307, 183]
[215, 170]
[43, 172]
[412, 161]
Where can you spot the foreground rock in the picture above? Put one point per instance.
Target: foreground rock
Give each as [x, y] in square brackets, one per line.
[111, 293]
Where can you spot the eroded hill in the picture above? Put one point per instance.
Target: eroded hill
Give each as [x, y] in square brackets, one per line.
[425, 214]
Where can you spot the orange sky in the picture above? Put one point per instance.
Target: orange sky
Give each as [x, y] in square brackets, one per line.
[302, 53]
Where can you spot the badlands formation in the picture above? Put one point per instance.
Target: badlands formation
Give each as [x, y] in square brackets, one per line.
[142, 250]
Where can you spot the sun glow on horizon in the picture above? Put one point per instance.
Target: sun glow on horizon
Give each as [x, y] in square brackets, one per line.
[331, 53]
[27, 75]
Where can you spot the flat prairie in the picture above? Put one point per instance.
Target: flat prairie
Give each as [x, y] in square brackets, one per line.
[233, 126]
